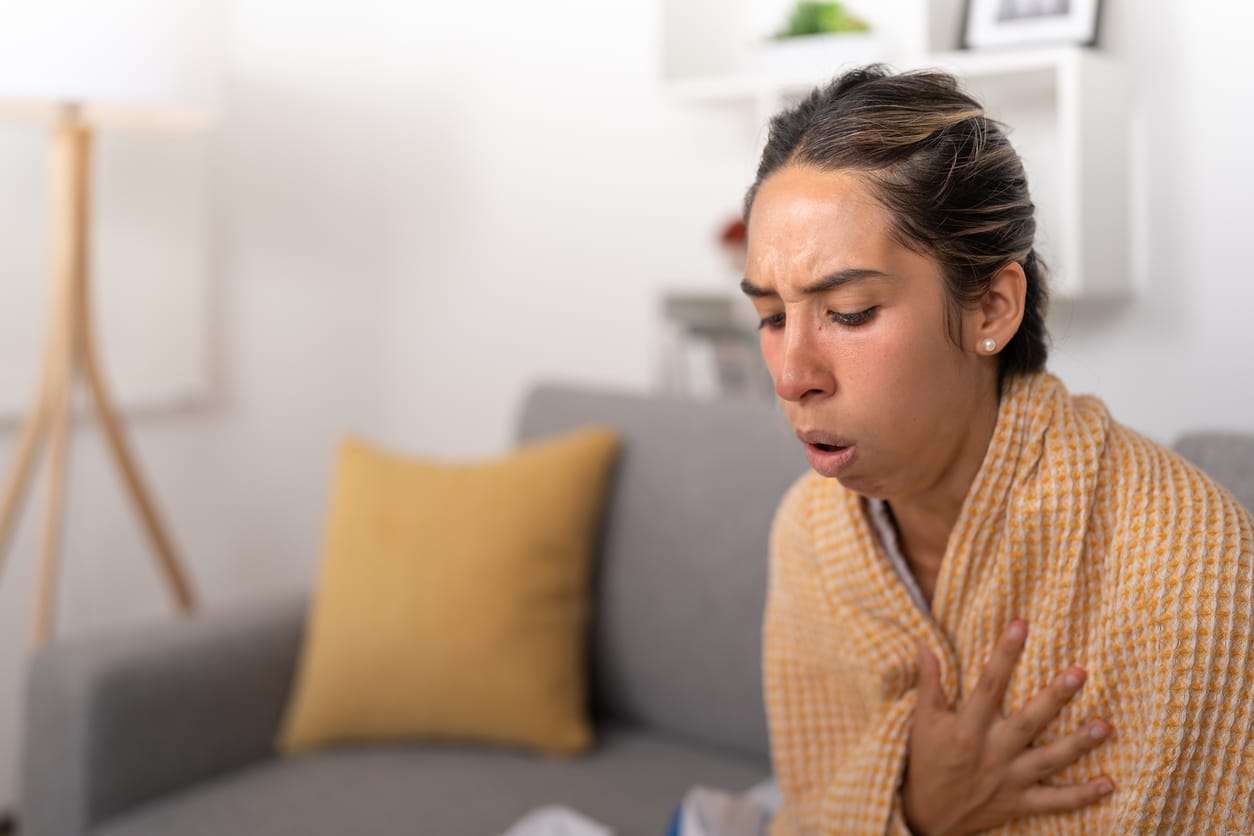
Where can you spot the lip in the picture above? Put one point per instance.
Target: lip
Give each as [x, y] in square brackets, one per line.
[821, 437]
[827, 462]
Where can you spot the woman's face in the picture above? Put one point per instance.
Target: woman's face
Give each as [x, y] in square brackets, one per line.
[854, 334]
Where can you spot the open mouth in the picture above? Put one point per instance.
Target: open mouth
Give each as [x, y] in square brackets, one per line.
[826, 452]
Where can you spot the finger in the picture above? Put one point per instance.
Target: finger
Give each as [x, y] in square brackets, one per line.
[1045, 761]
[931, 694]
[985, 703]
[1046, 799]
[1018, 730]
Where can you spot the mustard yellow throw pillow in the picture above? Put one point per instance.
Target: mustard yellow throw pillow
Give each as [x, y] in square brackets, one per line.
[453, 600]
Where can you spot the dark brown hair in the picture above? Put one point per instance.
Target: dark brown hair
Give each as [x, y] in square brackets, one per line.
[953, 185]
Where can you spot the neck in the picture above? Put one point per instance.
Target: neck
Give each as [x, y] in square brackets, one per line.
[926, 519]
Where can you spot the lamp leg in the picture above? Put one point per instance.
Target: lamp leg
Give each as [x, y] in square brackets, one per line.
[130, 473]
[85, 347]
[58, 431]
[69, 168]
[20, 471]
[55, 357]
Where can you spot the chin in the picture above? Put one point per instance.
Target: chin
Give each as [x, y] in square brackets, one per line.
[863, 485]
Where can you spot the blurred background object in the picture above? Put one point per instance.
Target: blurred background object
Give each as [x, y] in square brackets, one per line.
[815, 38]
[125, 73]
[1017, 23]
[732, 238]
[710, 341]
[814, 18]
[147, 74]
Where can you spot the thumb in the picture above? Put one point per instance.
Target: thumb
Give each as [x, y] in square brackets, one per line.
[931, 694]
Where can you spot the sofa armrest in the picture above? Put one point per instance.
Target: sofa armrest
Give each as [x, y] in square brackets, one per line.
[114, 722]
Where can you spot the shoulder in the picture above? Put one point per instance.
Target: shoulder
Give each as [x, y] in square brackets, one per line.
[1184, 546]
[811, 503]
[1160, 524]
[812, 509]
[1162, 493]
[799, 498]
[1151, 490]
[791, 526]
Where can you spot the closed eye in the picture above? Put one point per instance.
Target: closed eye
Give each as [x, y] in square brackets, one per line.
[853, 320]
[773, 322]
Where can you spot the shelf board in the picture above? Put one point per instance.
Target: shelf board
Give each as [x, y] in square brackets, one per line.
[968, 64]
[998, 62]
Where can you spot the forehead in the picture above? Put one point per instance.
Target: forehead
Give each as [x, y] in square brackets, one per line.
[799, 201]
[807, 222]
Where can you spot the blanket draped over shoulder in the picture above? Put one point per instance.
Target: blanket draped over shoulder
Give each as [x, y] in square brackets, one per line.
[1123, 558]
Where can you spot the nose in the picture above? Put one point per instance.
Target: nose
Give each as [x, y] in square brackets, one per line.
[803, 370]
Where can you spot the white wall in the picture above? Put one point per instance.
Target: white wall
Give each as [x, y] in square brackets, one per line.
[421, 208]
[1180, 353]
[570, 191]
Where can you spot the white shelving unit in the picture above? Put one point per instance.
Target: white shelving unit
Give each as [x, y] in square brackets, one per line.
[719, 38]
[1067, 113]
[1066, 109]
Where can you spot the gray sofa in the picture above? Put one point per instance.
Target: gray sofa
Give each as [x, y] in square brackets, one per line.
[171, 731]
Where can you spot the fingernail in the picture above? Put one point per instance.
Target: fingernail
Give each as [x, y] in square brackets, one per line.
[1017, 630]
[1104, 787]
[1098, 730]
[1072, 679]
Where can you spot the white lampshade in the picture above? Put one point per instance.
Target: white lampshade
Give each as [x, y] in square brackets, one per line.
[137, 52]
[146, 73]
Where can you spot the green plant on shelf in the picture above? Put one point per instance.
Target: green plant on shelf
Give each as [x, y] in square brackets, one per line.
[810, 18]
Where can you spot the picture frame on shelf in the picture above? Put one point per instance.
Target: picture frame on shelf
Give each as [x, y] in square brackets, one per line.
[1011, 23]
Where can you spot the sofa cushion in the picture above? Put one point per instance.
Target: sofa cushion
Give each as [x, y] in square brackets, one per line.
[631, 781]
[681, 580]
[453, 599]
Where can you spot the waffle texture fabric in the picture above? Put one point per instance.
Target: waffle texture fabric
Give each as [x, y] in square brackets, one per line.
[1123, 558]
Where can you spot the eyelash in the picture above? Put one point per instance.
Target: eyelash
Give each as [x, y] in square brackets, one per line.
[773, 321]
[851, 320]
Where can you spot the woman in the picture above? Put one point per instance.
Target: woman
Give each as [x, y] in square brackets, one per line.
[961, 496]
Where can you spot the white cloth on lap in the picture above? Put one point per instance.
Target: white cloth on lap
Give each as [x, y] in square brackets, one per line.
[555, 820]
[710, 812]
[703, 812]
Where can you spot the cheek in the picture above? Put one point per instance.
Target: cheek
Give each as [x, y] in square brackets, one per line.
[921, 350]
[905, 373]
[930, 384]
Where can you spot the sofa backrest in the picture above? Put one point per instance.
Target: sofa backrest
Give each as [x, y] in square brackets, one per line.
[1227, 457]
[681, 581]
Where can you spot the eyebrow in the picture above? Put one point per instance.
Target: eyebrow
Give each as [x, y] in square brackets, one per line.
[838, 279]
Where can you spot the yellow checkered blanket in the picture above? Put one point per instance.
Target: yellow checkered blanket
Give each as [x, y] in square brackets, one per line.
[1123, 558]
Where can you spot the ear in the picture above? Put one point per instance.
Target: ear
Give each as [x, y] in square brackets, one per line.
[997, 316]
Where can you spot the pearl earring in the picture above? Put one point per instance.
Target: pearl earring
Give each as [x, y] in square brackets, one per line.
[989, 345]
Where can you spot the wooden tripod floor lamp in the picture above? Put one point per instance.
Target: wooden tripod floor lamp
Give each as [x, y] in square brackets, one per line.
[69, 355]
[70, 65]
